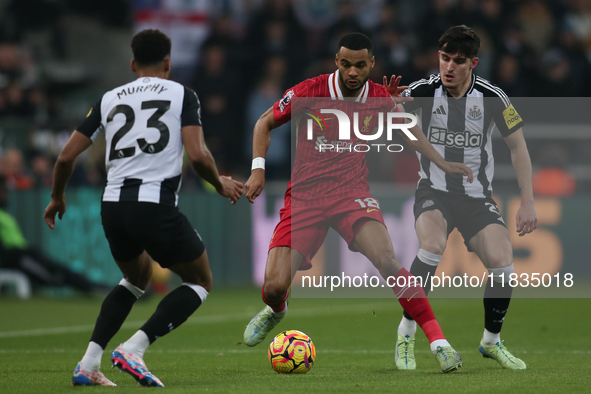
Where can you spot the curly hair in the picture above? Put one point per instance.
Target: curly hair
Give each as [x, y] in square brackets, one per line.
[150, 47]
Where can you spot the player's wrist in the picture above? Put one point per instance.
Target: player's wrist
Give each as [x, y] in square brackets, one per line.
[258, 163]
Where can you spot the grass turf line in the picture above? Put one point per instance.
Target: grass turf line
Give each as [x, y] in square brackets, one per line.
[354, 340]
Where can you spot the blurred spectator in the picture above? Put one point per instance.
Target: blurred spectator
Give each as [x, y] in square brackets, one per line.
[514, 43]
[578, 21]
[346, 23]
[268, 91]
[486, 54]
[219, 89]
[16, 65]
[275, 30]
[441, 15]
[490, 17]
[224, 33]
[16, 102]
[508, 76]
[42, 170]
[537, 23]
[558, 81]
[316, 15]
[580, 64]
[15, 174]
[25, 16]
[552, 178]
[394, 52]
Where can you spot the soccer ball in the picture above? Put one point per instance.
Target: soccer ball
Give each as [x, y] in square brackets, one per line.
[292, 351]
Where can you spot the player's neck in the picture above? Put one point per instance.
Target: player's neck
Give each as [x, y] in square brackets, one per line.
[460, 91]
[147, 72]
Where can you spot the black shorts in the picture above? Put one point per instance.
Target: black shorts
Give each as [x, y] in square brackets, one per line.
[468, 214]
[163, 231]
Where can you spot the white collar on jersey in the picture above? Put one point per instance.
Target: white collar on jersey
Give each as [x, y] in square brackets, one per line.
[335, 89]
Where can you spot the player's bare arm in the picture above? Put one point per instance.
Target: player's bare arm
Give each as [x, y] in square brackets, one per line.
[261, 139]
[62, 172]
[424, 147]
[204, 164]
[526, 219]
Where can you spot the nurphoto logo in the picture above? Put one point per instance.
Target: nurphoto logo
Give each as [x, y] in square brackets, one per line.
[392, 122]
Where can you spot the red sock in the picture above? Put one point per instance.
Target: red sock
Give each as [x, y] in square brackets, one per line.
[414, 301]
[278, 306]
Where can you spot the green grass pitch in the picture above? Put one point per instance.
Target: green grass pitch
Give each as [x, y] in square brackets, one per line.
[41, 340]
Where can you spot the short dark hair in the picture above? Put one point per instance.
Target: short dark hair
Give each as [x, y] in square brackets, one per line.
[356, 42]
[150, 47]
[460, 39]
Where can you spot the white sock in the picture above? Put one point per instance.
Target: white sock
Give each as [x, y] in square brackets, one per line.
[437, 343]
[407, 327]
[137, 344]
[92, 358]
[490, 338]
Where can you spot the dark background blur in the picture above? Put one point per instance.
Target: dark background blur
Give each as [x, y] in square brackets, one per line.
[57, 57]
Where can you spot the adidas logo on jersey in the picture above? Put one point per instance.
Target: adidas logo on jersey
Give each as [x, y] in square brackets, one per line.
[440, 111]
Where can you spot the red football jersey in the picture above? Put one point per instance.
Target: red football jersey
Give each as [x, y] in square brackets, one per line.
[320, 175]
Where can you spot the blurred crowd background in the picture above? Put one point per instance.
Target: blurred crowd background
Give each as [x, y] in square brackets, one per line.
[57, 57]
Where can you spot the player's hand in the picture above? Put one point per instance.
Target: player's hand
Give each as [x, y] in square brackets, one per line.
[230, 188]
[255, 184]
[526, 219]
[56, 206]
[395, 90]
[458, 168]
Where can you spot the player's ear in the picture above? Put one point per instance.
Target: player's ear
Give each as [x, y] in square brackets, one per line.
[336, 59]
[167, 64]
[474, 62]
[133, 66]
[373, 62]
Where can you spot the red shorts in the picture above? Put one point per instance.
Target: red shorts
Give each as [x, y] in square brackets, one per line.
[304, 228]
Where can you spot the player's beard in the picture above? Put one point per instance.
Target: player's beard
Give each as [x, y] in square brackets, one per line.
[346, 90]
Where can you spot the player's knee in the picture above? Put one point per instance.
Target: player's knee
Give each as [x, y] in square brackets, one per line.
[203, 280]
[141, 276]
[501, 274]
[500, 259]
[433, 245]
[386, 262]
[275, 289]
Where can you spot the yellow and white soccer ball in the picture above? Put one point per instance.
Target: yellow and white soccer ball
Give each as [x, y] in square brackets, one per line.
[292, 351]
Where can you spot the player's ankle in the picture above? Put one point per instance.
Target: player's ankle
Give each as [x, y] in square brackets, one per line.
[438, 343]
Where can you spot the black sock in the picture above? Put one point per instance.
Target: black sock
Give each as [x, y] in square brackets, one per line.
[114, 311]
[496, 302]
[422, 270]
[173, 310]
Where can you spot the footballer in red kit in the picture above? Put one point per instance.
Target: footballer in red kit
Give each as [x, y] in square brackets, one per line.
[329, 188]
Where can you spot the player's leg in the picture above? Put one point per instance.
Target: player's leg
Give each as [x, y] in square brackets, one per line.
[171, 240]
[493, 246]
[431, 229]
[282, 263]
[172, 311]
[114, 311]
[373, 240]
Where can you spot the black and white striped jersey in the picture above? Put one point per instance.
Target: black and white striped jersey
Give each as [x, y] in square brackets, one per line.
[460, 130]
[142, 121]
